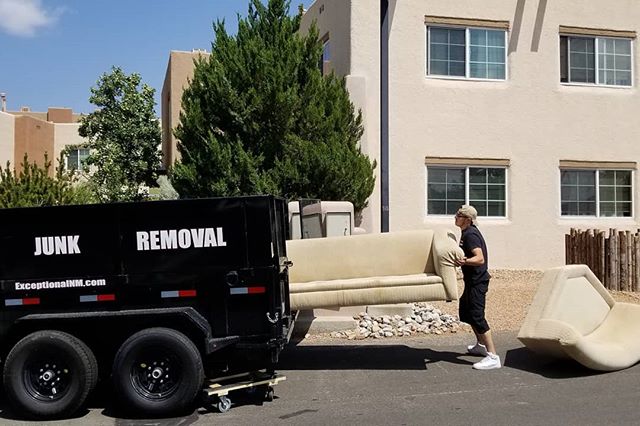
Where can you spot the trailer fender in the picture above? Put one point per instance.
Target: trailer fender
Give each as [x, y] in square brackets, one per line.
[184, 315]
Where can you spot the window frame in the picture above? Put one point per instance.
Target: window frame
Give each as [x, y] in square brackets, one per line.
[467, 47]
[76, 149]
[597, 171]
[466, 168]
[596, 40]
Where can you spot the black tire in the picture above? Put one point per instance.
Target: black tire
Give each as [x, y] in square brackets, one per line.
[157, 372]
[49, 374]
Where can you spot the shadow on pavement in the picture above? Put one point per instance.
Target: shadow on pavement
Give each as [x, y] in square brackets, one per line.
[552, 368]
[364, 357]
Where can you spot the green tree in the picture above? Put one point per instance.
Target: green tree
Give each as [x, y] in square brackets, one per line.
[258, 117]
[33, 187]
[123, 137]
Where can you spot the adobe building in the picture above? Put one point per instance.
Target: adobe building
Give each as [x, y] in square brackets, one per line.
[179, 71]
[525, 109]
[36, 133]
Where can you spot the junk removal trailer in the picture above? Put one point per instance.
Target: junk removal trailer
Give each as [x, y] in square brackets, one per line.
[155, 296]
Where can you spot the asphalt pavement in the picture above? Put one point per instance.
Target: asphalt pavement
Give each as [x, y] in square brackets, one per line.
[411, 381]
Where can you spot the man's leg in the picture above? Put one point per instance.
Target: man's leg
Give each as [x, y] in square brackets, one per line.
[487, 341]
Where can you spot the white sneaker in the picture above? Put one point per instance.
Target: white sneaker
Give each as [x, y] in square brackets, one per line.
[477, 349]
[489, 362]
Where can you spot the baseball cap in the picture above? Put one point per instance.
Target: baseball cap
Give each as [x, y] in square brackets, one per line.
[470, 212]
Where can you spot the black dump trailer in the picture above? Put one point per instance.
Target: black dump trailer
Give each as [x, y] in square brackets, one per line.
[155, 295]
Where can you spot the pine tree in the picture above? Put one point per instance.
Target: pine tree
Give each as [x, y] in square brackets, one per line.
[258, 117]
[123, 137]
[33, 187]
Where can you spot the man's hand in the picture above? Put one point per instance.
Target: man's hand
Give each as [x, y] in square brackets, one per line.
[462, 261]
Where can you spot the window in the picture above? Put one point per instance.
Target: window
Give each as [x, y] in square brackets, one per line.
[467, 52]
[483, 187]
[325, 59]
[76, 158]
[595, 60]
[596, 193]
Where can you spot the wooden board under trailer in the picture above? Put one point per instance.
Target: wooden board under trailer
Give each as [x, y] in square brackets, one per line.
[217, 390]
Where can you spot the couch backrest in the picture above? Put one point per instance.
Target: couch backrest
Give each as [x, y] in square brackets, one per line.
[571, 294]
[368, 255]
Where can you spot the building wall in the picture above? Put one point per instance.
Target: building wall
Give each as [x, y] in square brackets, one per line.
[29, 132]
[531, 119]
[34, 137]
[353, 31]
[7, 137]
[66, 134]
[179, 71]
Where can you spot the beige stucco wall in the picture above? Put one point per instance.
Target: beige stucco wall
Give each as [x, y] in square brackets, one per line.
[531, 119]
[353, 33]
[179, 71]
[64, 135]
[7, 136]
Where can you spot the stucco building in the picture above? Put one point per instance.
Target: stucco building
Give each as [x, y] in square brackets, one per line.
[525, 109]
[179, 71]
[36, 133]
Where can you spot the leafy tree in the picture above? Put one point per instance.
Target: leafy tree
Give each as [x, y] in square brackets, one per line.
[258, 117]
[123, 137]
[34, 187]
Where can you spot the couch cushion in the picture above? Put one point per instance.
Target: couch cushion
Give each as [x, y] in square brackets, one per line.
[367, 296]
[367, 282]
[355, 256]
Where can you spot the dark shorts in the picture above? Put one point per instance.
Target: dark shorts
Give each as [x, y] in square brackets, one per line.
[471, 306]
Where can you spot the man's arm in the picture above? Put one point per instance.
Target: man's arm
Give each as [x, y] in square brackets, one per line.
[476, 260]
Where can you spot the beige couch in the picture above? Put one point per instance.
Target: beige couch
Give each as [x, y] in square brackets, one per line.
[373, 269]
[573, 316]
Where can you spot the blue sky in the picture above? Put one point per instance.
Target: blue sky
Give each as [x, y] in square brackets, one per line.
[53, 51]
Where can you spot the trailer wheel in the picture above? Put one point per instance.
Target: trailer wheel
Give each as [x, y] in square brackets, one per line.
[49, 374]
[157, 371]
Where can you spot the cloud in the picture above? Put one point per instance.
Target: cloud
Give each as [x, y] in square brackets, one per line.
[24, 17]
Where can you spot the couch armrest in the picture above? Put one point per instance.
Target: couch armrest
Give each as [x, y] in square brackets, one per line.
[445, 252]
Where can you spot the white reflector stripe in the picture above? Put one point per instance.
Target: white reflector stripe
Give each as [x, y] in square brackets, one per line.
[98, 298]
[178, 293]
[248, 290]
[24, 301]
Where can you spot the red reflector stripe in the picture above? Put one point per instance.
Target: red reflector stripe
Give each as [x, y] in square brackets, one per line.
[257, 290]
[106, 297]
[31, 301]
[187, 293]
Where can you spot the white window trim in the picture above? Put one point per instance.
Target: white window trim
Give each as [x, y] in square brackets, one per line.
[597, 216]
[466, 54]
[81, 168]
[466, 188]
[596, 50]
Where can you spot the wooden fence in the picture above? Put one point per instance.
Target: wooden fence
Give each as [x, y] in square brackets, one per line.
[613, 256]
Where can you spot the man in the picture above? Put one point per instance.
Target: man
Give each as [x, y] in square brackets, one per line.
[476, 283]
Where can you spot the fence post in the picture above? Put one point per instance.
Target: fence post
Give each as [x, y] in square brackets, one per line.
[636, 246]
[630, 260]
[613, 258]
[601, 257]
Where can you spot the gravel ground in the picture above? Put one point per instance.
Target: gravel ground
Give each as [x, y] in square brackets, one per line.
[508, 300]
[510, 295]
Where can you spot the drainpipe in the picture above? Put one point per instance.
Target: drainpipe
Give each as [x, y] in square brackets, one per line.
[384, 115]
